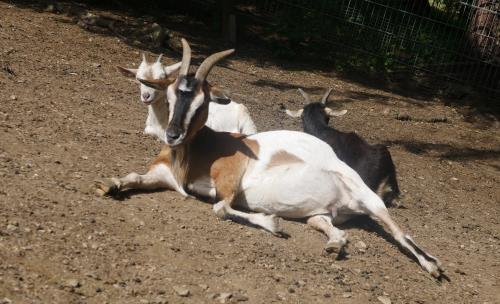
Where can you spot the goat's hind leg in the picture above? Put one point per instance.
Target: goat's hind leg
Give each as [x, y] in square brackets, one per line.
[377, 211]
[270, 223]
[336, 238]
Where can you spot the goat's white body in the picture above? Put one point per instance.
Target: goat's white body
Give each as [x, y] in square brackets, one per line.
[233, 117]
[319, 184]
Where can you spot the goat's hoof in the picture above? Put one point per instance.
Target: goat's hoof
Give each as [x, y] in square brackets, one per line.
[436, 271]
[335, 247]
[107, 187]
[219, 210]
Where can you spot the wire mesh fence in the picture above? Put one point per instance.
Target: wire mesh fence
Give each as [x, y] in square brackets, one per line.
[456, 39]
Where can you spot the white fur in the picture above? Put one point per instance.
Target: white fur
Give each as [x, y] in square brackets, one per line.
[319, 187]
[233, 117]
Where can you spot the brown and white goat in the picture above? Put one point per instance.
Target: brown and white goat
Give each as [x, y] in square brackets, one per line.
[278, 173]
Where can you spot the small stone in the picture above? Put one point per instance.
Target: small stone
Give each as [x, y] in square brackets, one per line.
[182, 291]
[12, 227]
[13, 97]
[224, 297]
[240, 298]
[347, 295]
[281, 296]
[384, 300]
[454, 179]
[300, 283]
[73, 283]
[360, 246]
[5, 301]
[291, 289]
[278, 277]
[203, 286]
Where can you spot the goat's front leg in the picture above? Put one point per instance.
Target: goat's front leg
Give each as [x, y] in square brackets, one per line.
[224, 210]
[158, 177]
[336, 237]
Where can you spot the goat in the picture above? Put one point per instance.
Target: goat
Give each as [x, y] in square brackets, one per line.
[373, 163]
[233, 117]
[278, 173]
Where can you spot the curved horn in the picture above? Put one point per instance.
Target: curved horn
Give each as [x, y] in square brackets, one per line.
[305, 95]
[186, 57]
[325, 97]
[209, 63]
[159, 58]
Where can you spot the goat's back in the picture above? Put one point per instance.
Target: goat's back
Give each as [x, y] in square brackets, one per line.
[233, 117]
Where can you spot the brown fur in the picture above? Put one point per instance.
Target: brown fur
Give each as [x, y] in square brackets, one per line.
[224, 157]
[283, 158]
[220, 155]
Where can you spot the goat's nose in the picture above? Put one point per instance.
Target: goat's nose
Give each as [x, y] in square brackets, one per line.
[173, 135]
[145, 96]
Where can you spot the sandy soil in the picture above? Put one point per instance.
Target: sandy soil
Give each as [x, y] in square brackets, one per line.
[68, 118]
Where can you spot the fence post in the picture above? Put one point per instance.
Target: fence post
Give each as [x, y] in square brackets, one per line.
[228, 19]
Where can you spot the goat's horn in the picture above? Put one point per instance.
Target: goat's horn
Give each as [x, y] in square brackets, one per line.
[325, 97]
[186, 57]
[305, 95]
[159, 58]
[144, 57]
[209, 63]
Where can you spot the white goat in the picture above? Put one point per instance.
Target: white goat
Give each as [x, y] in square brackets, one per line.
[233, 117]
[278, 173]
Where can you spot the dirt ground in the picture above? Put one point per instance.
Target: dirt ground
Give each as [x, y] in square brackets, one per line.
[68, 118]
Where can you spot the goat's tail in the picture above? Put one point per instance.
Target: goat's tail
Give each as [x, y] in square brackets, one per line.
[391, 181]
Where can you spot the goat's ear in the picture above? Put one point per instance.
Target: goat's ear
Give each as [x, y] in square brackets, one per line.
[219, 96]
[333, 113]
[127, 72]
[158, 84]
[173, 69]
[297, 113]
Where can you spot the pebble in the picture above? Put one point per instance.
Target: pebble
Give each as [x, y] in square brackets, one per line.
[13, 97]
[224, 297]
[347, 295]
[5, 301]
[384, 300]
[360, 246]
[300, 283]
[73, 283]
[281, 296]
[240, 298]
[182, 291]
[11, 227]
[203, 286]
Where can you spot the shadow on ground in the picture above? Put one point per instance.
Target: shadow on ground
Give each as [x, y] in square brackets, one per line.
[156, 27]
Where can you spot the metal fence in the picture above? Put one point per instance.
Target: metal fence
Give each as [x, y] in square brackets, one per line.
[456, 39]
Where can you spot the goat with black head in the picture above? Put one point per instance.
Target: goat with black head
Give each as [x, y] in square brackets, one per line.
[372, 162]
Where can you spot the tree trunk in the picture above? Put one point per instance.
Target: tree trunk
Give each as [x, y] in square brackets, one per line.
[484, 30]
